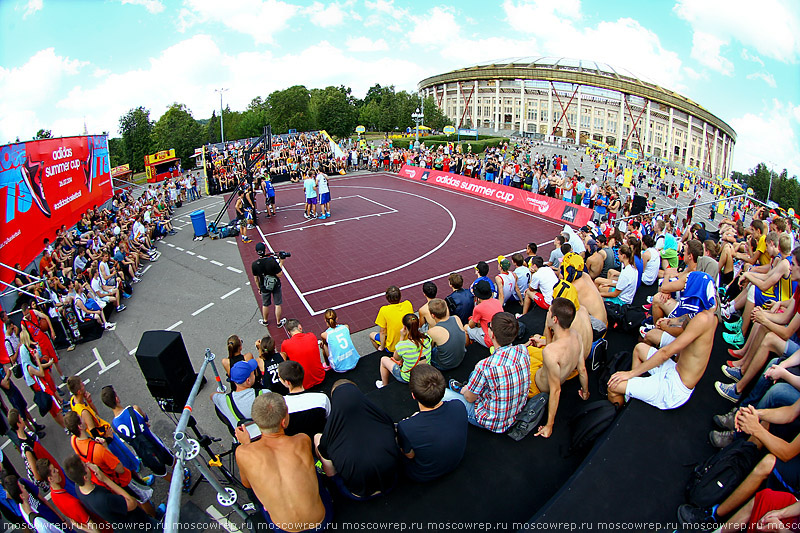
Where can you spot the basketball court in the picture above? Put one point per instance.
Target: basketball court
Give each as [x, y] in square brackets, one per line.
[385, 230]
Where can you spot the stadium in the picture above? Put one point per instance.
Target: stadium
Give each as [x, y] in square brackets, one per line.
[544, 96]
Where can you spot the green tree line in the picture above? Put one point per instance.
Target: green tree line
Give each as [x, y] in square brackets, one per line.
[785, 190]
[333, 109]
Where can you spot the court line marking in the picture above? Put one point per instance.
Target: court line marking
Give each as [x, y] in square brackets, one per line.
[233, 269]
[204, 258]
[216, 263]
[230, 293]
[407, 263]
[390, 211]
[190, 252]
[202, 309]
[180, 249]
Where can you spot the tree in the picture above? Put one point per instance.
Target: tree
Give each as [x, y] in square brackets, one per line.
[137, 140]
[334, 110]
[289, 109]
[179, 130]
[116, 148]
[434, 118]
[212, 129]
[43, 134]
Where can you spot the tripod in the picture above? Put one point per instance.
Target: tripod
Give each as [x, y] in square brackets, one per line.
[205, 442]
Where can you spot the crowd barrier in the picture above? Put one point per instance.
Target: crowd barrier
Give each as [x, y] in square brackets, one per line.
[537, 204]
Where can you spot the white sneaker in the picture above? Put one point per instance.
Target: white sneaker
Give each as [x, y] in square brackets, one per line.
[379, 384]
[110, 326]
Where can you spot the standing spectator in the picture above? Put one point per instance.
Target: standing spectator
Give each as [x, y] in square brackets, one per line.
[303, 348]
[434, 439]
[36, 374]
[32, 321]
[268, 272]
[37, 512]
[73, 510]
[390, 320]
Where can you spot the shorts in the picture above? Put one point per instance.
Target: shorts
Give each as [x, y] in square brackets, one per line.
[397, 374]
[324, 198]
[327, 502]
[771, 500]
[268, 297]
[755, 296]
[671, 256]
[663, 389]
[269, 200]
[537, 362]
[666, 339]
[311, 201]
[539, 299]
[785, 476]
[477, 335]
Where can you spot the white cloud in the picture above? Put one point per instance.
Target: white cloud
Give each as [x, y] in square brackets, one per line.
[365, 44]
[706, 50]
[260, 19]
[771, 27]
[437, 27]
[29, 90]
[694, 75]
[153, 6]
[768, 137]
[766, 77]
[31, 7]
[541, 15]
[747, 56]
[325, 17]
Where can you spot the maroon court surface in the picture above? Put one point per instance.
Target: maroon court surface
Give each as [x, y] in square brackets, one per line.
[385, 230]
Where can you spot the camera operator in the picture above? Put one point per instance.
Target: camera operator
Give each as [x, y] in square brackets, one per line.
[267, 270]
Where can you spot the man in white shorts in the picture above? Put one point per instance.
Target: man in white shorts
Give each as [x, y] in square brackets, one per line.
[671, 382]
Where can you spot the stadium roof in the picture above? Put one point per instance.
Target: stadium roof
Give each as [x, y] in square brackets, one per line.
[566, 63]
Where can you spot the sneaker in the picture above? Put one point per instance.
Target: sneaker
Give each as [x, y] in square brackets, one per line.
[38, 427]
[379, 384]
[733, 326]
[690, 516]
[733, 372]
[63, 380]
[644, 329]
[121, 308]
[726, 421]
[727, 391]
[125, 295]
[136, 280]
[455, 385]
[734, 355]
[649, 299]
[247, 241]
[149, 480]
[734, 339]
[110, 326]
[326, 367]
[306, 216]
[728, 311]
[721, 439]
[518, 315]
[161, 510]
[281, 322]
[263, 322]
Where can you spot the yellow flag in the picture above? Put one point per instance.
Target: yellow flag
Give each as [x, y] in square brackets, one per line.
[628, 177]
[721, 207]
[663, 173]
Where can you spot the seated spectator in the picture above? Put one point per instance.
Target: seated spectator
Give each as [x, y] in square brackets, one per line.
[448, 337]
[267, 373]
[463, 300]
[234, 353]
[358, 449]
[540, 290]
[482, 269]
[623, 290]
[769, 510]
[303, 348]
[341, 355]
[531, 250]
[523, 275]
[73, 510]
[652, 261]
[87, 308]
[497, 388]
[308, 410]
[558, 357]
[505, 281]
[485, 308]
[572, 272]
[103, 495]
[293, 495]
[694, 349]
[434, 439]
[390, 319]
[556, 254]
[414, 348]
[429, 289]
[235, 405]
[109, 295]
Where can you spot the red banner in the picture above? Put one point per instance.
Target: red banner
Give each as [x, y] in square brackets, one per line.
[519, 198]
[46, 184]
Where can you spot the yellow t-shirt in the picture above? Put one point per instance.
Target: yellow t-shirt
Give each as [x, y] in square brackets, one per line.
[391, 317]
[764, 258]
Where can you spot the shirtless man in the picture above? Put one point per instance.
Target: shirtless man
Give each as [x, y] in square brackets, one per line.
[557, 357]
[290, 495]
[671, 383]
[588, 294]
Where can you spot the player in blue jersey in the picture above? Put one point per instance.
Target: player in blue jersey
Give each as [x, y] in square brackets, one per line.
[337, 346]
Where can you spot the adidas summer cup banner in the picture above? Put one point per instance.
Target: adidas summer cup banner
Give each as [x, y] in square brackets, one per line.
[519, 198]
[46, 184]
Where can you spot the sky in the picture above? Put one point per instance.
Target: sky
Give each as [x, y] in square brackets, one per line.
[66, 63]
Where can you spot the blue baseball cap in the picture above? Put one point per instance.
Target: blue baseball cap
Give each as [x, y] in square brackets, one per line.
[242, 370]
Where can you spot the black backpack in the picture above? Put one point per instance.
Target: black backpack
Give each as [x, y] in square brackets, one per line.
[591, 421]
[716, 478]
[619, 362]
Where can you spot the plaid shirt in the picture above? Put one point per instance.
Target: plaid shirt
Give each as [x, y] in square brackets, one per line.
[501, 383]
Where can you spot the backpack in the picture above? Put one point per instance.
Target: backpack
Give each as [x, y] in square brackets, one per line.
[628, 317]
[715, 479]
[529, 417]
[619, 362]
[591, 421]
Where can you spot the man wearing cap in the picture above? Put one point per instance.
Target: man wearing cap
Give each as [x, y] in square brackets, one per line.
[486, 306]
[235, 405]
[268, 273]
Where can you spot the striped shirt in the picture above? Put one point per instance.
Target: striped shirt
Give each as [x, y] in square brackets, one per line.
[412, 355]
[501, 383]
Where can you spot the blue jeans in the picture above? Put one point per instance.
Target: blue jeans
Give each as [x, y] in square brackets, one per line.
[779, 395]
[452, 395]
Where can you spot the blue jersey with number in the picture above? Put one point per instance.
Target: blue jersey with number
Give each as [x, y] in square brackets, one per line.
[342, 354]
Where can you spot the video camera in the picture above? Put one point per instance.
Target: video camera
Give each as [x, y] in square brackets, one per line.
[280, 254]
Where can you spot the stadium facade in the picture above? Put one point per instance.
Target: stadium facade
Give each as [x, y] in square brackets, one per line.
[544, 96]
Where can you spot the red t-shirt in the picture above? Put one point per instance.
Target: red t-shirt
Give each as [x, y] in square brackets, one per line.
[70, 506]
[484, 312]
[304, 348]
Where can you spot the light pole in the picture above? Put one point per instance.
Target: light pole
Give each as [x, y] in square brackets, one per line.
[221, 121]
[418, 118]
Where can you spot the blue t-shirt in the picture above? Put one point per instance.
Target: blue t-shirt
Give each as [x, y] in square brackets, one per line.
[600, 204]
[343, 356]
[491, 284]
[269, 190]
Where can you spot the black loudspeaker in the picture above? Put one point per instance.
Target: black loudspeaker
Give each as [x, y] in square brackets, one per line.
[639, 204]
[166, 367]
